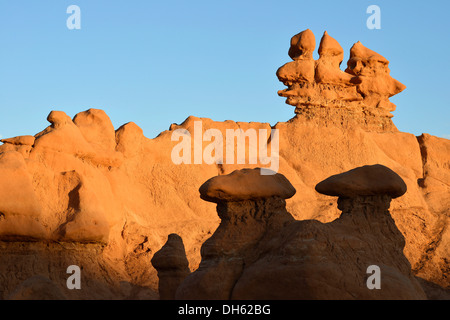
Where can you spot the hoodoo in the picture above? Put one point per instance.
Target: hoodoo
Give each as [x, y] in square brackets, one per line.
[358, 96]
[82, 192]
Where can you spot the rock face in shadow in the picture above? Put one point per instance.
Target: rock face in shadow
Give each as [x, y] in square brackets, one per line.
[260, 251]
[84, 192]
[37, 288]
[172, 266]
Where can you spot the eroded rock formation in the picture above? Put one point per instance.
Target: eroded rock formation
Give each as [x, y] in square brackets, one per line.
[322, 92]
[260, 251]
[83, 192]
[172, 266]
[247, 216]
[37, 288]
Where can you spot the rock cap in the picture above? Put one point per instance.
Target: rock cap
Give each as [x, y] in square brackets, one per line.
[364, 181]
[172, 256]
[246, 184]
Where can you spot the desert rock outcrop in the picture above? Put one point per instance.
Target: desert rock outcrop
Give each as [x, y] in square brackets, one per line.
[260, 252]
[83, 192]
[246, 184]
[37, 288]
[246, 219]
[364, 181]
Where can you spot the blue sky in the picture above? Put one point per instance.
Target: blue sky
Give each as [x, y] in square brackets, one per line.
[157, 62]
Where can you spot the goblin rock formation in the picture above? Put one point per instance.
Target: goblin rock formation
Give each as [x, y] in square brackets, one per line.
[83, 192]
[365, 181]
[247, 216]
[321, 91]
[260, 251]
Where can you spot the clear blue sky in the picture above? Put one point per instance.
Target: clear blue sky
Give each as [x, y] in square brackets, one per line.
[157, 62]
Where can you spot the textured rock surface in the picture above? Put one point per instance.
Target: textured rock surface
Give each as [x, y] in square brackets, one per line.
[127, 209]
[172, 266]
[243, 225]
[246, 184]
[434, 263]
[321, 91]
[364, 181]
[37, 288]
[260, 252]
[81, 193]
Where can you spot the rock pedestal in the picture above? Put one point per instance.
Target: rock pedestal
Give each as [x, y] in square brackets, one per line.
[321, 92]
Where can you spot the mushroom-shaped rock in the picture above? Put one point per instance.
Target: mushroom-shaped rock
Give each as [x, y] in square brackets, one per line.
[62, 136]
[97, 129]
[21, 144]
[358, 50]
[364, 181]
[246, 184]
[172, 266]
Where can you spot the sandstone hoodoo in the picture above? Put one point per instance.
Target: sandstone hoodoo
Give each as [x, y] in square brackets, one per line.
[364, 181]
[260, 252]
[320, 90]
